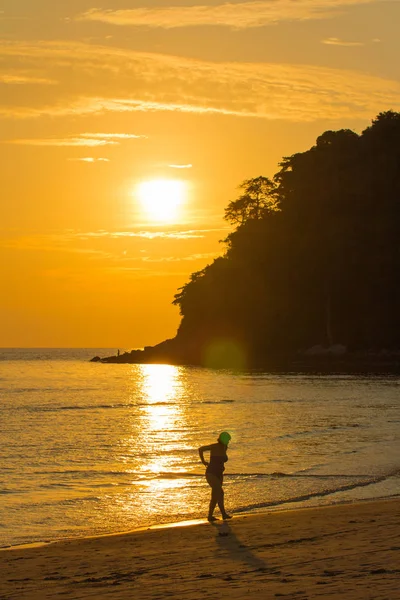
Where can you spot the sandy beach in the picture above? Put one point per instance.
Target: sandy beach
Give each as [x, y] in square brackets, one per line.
[350, 551]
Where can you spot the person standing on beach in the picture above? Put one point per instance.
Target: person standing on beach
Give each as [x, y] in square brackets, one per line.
[214, 473]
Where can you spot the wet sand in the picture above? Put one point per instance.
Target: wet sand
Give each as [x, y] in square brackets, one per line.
[348, 551]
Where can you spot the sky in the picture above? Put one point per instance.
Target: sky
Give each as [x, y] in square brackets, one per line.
[126, 127]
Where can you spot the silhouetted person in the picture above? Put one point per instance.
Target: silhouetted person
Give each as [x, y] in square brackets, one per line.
[214, 473]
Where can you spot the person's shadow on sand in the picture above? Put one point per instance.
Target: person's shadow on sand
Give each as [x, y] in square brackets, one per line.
[228, 541]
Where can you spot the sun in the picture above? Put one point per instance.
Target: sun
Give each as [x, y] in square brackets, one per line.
[162, 199]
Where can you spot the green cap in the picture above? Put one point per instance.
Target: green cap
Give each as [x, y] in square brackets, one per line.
[224, 438]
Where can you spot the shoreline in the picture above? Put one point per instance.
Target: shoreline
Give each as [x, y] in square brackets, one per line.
[350, 550]
[286, 507]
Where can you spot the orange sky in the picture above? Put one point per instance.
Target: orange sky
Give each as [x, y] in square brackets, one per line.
[94, 101]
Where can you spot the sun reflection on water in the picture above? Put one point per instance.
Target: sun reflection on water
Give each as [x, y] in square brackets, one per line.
[156, 451]
[161, 388]
[163, 420]
[160, 382]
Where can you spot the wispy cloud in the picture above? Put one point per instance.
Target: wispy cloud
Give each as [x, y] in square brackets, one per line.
[278, 91]
[143, 272]
[303, 93]
[115, 250]
[25, 80]
[84, 139]
[113, 136]
[52, 243]
[235, 15]
[89, 105]
[150, 235]
[188, 166]
[64, 142]
[90, 159]
[68, 239]
[190, 257]
[333, 41]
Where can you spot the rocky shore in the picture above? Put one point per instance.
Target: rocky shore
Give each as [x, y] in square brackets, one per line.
[315, 360]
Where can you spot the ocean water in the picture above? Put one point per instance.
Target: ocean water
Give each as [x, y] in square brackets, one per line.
[88, 448]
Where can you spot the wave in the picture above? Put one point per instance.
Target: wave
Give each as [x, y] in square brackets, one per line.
[279, 475]
[319, 431]
[150, 475]
[29, 390]
[85, 472]
[226, 401]
[146, 476]
[108, 406]
[319, 494]
[87, 407]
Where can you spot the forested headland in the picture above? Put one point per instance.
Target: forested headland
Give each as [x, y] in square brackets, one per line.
[311, 266]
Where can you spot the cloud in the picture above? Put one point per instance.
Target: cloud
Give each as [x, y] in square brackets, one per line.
[143, 272]
[90, 159]
[112, 250]
[145, 82]
[235, 15]
[25, 80]
[150, 235]
[113, 136]
[190, 257]
[64, 142]
[188, 166]
[84, 139]
[293, 93]
[89, 105]
[52, 243]
[76, 241]
[333, 41]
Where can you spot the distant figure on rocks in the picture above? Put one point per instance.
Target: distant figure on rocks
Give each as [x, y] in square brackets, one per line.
[118, 353]
[214, 473]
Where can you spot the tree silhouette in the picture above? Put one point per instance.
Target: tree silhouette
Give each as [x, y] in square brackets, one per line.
[256, 202]
[315, 256]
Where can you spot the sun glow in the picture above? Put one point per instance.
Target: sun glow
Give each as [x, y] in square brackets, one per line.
[162, 199]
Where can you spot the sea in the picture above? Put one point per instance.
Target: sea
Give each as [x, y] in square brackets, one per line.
[89, 449]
